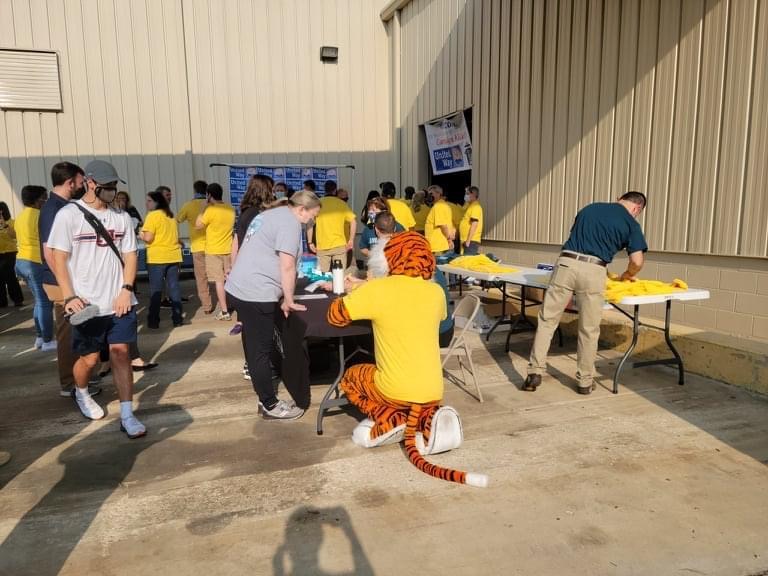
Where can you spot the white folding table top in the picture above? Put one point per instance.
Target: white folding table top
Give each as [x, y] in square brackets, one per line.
[535, 278]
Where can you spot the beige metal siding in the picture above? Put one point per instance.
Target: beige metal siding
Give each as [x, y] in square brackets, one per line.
[577, 101]
[164, 87]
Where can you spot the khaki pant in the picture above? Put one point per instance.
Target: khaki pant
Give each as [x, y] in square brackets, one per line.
[201, 280]
[324, 257]
[63, 337]
[587, 282]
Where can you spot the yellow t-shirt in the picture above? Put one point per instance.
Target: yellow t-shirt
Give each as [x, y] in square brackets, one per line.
[27, 235]
[440, 215]
[473, 211]
[189, 213]
[405, 313]
[7, 241]
[457, 213]
[420, 216]
[402, 213]
[164, 248]
[331, 223]
[219, 220]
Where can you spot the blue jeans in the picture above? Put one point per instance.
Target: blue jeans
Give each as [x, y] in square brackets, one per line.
[160, 274]
[32, 272]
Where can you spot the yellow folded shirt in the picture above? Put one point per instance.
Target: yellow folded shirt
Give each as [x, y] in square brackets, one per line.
[615, 289]
[481, 263]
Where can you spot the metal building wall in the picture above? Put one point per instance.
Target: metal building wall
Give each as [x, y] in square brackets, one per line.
[163, 87]
[576, 101]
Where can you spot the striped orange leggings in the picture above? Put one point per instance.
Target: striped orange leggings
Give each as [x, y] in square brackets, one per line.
[359, 386]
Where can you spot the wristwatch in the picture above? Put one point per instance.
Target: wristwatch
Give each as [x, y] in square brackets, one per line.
[128, 287]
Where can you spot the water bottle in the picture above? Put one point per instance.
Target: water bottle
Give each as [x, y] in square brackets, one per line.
[337, 275]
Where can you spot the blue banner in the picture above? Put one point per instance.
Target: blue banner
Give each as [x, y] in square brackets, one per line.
[293, 177]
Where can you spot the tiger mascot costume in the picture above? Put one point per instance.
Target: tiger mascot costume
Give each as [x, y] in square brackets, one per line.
[401, 394]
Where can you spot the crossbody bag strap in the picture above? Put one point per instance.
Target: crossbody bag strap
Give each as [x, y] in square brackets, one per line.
[100, 231]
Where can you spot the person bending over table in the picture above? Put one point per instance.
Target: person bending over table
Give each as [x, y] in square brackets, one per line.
[600, 230]
[402, 393]
[261, 285]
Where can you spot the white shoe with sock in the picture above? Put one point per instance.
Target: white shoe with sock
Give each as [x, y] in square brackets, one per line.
[446, 433]
[86, 404]
[38, 343]
[361, 435]
[129, 423]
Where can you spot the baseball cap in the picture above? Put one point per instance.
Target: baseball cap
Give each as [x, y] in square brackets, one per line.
[102, 172]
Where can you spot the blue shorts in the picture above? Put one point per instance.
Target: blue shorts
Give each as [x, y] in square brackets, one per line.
[97, 333]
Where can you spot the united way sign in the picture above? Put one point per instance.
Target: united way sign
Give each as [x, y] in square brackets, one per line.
[450, 149]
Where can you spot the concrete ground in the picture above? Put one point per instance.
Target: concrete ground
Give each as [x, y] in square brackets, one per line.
[661, 479]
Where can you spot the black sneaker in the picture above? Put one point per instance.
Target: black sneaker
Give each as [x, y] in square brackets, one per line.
[165, 303]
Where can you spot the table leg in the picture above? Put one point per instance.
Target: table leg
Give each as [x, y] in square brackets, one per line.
[503, 319]
[628, 353]
[333, 390]
[327, 402]
[522, 318]
[668, 339]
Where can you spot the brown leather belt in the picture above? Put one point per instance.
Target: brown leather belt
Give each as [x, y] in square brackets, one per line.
[583, 258]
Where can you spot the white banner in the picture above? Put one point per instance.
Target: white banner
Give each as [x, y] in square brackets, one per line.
[450, 149]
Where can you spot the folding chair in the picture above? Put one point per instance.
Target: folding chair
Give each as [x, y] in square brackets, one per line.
[463, 318]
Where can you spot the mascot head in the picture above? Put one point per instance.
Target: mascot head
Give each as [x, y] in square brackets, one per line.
[409, 254]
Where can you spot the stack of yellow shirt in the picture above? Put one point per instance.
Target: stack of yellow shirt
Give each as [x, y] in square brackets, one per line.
[481, 263]
[615, 289]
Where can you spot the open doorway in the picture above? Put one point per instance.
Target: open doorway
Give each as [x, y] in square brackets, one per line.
[454, 183]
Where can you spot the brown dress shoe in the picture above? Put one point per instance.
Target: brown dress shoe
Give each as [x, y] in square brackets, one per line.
[532, 382]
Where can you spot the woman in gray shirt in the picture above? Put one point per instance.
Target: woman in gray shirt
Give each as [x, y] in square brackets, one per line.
[261, 285]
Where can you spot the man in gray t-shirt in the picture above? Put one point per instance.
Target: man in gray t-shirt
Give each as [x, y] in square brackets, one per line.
[255, 276]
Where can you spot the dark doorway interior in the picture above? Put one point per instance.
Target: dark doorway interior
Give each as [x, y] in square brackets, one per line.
[455, 183]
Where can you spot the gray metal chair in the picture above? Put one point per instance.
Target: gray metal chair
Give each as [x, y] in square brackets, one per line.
[463, 318]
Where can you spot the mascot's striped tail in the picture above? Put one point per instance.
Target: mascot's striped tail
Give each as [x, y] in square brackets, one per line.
[411, 426]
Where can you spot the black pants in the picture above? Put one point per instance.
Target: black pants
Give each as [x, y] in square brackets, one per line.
[258, 320]
[8, 280]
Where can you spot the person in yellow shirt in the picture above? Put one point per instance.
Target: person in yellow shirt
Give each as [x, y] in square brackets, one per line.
[29, 265]
[438, 228]
[161, 234]
[471, 226]
[401, 394]
[399, 208]
[334, 229]
[420, 210]
[218, 221]
[189, 213]
[8, 280]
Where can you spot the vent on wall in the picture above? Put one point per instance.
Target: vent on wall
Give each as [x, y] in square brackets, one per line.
[29, 80]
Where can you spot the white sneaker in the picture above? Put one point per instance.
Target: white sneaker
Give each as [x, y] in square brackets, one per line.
[38, 343]
[446, 433]
[361, 435]
[48, 346]
[87, 406]
[132, 427]
[281, 411]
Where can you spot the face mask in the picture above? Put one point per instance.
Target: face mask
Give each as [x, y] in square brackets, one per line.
[466, 198]
[279, 195]
[106, 195]
[372, 216]
[78, 193]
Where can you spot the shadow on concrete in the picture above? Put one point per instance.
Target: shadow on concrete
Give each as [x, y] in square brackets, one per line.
[305, 532]
[94, 468]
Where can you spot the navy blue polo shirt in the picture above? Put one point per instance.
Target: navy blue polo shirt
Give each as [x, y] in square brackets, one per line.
[604, 228]
[47, 216]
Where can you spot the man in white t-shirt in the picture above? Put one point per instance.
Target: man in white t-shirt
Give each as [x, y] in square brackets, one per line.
[92, 275]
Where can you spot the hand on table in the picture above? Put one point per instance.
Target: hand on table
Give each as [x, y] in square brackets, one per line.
[288, 307]
[627, 277]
